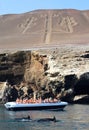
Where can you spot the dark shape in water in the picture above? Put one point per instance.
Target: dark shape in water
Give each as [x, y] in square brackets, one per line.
[23, 119]
[26, 119]
[48, 119]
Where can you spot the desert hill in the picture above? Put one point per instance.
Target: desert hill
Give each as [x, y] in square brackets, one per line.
[42, 28]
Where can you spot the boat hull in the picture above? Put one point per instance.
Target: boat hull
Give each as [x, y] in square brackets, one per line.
[41, 106]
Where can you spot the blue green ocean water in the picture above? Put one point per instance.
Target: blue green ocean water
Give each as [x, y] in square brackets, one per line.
[73, 117]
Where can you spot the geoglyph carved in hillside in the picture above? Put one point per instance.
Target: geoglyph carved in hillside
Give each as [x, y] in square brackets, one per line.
[28, 23]
[86, 15]
[64, 25]
[67, 24]
[43, 15]
[48, 28]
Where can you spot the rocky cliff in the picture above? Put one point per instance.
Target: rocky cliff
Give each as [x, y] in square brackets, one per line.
[61, 73]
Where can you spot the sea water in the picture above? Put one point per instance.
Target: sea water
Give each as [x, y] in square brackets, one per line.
[73, 117]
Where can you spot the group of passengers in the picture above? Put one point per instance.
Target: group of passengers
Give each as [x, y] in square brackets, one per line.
[47, 100]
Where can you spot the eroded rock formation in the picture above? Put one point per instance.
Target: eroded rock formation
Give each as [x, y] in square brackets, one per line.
[61, 73]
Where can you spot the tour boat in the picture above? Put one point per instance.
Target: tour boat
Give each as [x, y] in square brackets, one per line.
[59, 105]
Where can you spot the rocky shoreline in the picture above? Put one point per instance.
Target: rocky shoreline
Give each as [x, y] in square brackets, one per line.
[61, 73]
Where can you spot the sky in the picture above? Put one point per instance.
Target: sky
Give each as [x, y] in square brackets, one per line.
[22, 6]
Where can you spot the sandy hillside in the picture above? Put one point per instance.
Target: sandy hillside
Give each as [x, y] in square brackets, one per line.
[44, 28]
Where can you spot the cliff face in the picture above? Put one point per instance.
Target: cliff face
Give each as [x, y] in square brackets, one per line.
[12, 66]
[61, 72]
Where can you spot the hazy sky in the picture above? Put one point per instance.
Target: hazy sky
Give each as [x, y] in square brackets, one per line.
[20, 6]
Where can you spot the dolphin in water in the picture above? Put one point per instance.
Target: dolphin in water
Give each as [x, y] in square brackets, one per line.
[26, 119]
[47, 119]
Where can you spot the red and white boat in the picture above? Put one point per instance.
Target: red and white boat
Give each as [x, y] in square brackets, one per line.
[59, 105]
